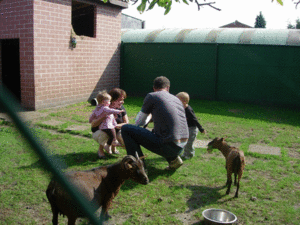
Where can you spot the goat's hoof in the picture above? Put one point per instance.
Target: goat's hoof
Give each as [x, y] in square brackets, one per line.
[107, 217]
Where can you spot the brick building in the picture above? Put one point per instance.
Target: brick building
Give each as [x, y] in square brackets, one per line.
[130, 22]
[38, 62]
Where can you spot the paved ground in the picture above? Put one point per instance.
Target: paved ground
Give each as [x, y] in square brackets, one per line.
[38, 116]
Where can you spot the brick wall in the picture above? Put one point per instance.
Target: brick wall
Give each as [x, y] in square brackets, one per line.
[16, 21]
[65, 75]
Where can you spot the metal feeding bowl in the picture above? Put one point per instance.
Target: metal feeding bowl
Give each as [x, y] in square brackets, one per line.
[218, 216]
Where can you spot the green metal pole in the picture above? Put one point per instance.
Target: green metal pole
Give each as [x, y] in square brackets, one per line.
[11, 107]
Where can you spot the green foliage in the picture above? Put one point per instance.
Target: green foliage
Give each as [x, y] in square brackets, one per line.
[161, 3]
[260, 21]
[297, 26]
[141, 8]
[279, 2]
[167, 4]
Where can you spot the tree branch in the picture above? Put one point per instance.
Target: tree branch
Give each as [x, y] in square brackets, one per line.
[297, 3]
[167, 5]
[209, 4]
[134, 1]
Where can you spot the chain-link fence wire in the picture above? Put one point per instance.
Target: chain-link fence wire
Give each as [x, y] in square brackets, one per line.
[10, 106]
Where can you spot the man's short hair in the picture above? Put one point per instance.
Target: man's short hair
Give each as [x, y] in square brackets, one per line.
[161, 82]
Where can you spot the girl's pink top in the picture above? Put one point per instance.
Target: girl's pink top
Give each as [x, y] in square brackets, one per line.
[109, 121]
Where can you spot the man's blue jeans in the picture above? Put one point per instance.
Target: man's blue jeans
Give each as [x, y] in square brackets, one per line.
[134, 137]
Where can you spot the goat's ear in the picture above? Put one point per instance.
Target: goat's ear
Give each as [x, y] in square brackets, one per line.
[222, 139]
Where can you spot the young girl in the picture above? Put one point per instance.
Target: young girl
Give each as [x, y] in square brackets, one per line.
[109, 123]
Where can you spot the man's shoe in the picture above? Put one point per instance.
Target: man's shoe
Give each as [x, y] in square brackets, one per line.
[175, 164]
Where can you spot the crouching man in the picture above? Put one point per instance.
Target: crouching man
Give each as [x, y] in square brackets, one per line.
[170, 133]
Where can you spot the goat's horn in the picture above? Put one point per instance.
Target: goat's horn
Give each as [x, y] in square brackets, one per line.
[137, 156]
[142, 157]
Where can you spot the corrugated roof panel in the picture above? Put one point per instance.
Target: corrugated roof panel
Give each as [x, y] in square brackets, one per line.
[246, 36]
[293, 38]
[196, 36]
[213, 35]
[230, 36]
[136, 35]
[181, 35]
[219, 35]
[167, 35]
[269, 37]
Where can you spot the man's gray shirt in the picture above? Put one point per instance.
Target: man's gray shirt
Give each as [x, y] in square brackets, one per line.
[168, 115]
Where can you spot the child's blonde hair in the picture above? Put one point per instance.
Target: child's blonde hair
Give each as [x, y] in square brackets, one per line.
[103, 95]
[183, 96]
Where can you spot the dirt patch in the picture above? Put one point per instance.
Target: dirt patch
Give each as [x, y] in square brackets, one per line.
[78, 127]
[53, 122]
[186, 218]
[293, 153]
[4, 213]
[249, 160]
[26, 116]
[117, 219]
[32, 115]
[264, 149]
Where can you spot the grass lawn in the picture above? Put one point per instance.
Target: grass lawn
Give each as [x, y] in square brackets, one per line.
[269, 190]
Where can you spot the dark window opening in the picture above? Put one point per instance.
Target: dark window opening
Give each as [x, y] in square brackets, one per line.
[83, 19]
[10, 61]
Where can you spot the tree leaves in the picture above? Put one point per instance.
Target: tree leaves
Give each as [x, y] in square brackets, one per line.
[280, 2]
[260, 21]
[152, 4]
[297, 26]
[168, 8]
[168, 3]
[185, 2]
[162, 3]
[141, 8]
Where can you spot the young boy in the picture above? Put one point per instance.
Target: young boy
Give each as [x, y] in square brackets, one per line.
[193, 124]
[109, 123]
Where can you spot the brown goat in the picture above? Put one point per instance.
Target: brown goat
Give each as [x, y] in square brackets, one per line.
[235, 161]
[99, 186]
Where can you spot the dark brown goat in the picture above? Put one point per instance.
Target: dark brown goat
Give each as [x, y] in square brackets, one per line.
[99, 186]
[235, 161]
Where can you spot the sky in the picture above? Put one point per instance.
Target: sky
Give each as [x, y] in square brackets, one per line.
[245, 11]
